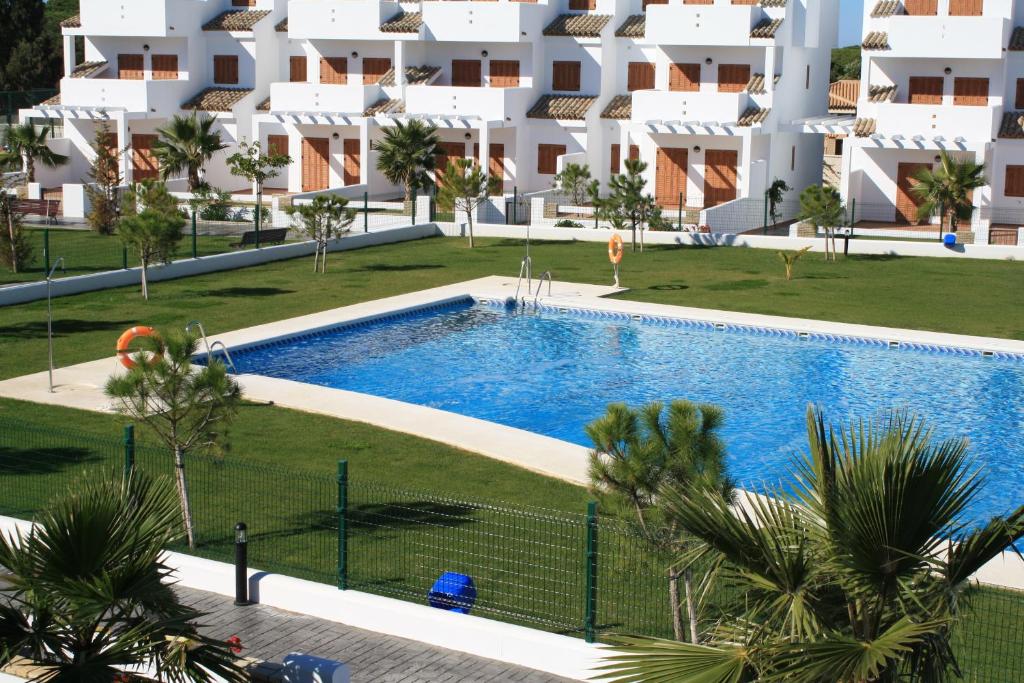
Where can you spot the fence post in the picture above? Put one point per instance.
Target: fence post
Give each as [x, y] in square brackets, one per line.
[590, 615]
[414, 206]
[680, 210]
[342, 524]
[129, 450]
[515, 203]
[764, 224]
[124, 257]
[46, 250]
[366, 212]
[258, 210]
[195, 246]
[853, 212]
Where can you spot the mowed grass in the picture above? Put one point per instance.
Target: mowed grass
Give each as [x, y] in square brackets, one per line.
[960, 296]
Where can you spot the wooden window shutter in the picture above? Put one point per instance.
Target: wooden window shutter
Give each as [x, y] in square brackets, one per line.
[374, 68]
[925, 90]
[547, 158]
[130, 67]
[1014, 186]
[565, 76]
[334, 70]
[745, 2]
[243, 3]
[582, 4]
[504, 73]
[466, 73]
[165, 67]
[1020, 94]
[614, 166]
[297, 69]
[966, 8]
[921, 8]
[634, 152]
[225, 69]
[640, 76]
[684, 77]
[733, 77]
[970, 92]
[277, 145]
[698, 2]
[496, 161]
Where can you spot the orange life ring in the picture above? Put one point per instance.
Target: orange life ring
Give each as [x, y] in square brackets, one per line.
[615, 249]
[124, 353]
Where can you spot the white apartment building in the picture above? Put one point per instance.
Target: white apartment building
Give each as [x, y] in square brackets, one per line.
[939, 75]
[704, 91]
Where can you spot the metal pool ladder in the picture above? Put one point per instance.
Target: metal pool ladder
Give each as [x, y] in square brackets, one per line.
[525, 268]
[546, 275]
[210, 347]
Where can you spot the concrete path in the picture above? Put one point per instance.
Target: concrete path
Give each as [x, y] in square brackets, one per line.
[269, 634]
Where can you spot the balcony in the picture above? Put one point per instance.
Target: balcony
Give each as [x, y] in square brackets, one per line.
[315, 97]
[931, 121]
[947, 37]
[659, 105]
[501, 21]
[490, 104]
[340, 19]
[140, 18]
[720, 24]
[131, 96]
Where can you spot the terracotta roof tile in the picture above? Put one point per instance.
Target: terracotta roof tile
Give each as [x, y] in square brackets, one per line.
[217, 99]
[1012, 125]
[1017, 39]
[578, 25]
[766, 28]
[403, 22]
[620, 107]
[282, 26]
[385, 106]
[414, 75]
[876, 40]
[51, 100]
[72, 22]
[886, 8]
[773, 3]
[755, 86]
[843, 96]
[236, 20]
[753, 115]
[882, 93]
[264, 105]
[561, 107]
[862, 128]
[87, 69]
[634, 26]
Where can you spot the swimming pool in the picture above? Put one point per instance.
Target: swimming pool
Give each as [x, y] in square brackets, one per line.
[551, 371]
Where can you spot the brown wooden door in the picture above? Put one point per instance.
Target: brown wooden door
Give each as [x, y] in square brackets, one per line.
[925, 90]
[165, 67]
[634, 152]
[684, 77]
[446, 151]
[616, 153]
[921, 8]
[733, 77]
[316, 164]
[334, 70]
[374, 68]
[670, 176]
[966, 8]
[1014, 181]
[504, 73]
[225, 69]
[906, 201]
[144, 163]
[277, 145]
[297, 69]
[970, 92]
[496, 165]
[565, 76]
[640, 76]
[466, 73]
[350, 150]
[719, 176]
[131, 67]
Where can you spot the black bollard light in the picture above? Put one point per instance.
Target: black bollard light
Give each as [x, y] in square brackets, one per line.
[241, 565]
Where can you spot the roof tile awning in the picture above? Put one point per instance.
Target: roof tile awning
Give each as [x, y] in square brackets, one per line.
[87, 69]
[264, 105]
[414, 75]
[236, 20]
[562, 107]
[72, 22]
[753, 115]
[217, 99]
[385, 106]
[886, 8]
[1012, 126]
[55, 100]
[773, 3]
[862, 128]
[634, 26]
[578, 25]
[282, 26]
[876, 40]
[403, 22]
[1017, 39]
[620, 107]
[755, 86]
[882, 93]
[766, 28]
[843, 96]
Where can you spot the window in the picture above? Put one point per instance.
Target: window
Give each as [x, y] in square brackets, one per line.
[634, 152]
[733, 77]
[970, 92]
[333, 70]
[640, 76]
[165, 67]
[225, 69]
[966, 8]
[130, 67]
[297, 69]
[547, 158]
[504, 73]
[1020, 93]
[374, 68]
[565, 76]
[684, 77]
[614, 167]
[1014, 186]
[466, 73]
[925, 90]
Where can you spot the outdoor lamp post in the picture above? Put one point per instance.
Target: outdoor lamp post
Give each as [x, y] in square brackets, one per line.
[59, 263]
[241, 565]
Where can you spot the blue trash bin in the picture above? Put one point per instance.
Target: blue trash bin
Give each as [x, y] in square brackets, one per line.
[949, 240]
[453, 592]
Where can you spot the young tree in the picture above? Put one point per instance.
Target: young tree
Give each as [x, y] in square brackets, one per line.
[185, 145]
[465, 188]
[325, 218]
[789, 259]
[637, 454]
[823, 207]
[25, 146]
[946, 192]
[151, 226]
[626, 203]
[87, 594]
[15, 248]
[105, 175]
[774, 196]
[574, 181]
[185, 406]
[407, 154]
[251, 163]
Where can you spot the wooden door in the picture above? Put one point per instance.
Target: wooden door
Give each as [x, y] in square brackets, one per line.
[496, 161]
[504, 73]
[906, 201]
[733, 77]
[446, 151]
[131, 67]
[297, 69]
[350, 149]
[616, 153]
[1013, 185]
[719, 176]
[277, 145]
[921, 8]
[225, 69]
[316, 164]
[374, 68]
[640, 76]
[165, 67]
[334, 70]
[970, 92]
[925, 90]
[670, 176]
[684, 77]
[966, 8]
[144, 163]
[466, 73]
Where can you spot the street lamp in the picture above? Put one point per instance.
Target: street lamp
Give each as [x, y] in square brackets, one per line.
[59, 263]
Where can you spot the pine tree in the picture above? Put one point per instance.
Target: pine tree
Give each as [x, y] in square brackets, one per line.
[105, 175]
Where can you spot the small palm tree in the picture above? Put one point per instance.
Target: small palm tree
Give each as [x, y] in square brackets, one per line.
[185, 146]
[88, 596]
[946, 192]
[407, 154]
[25, 145]
[847, 574]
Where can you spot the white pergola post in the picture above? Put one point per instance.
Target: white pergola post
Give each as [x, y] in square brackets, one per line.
[69, 55]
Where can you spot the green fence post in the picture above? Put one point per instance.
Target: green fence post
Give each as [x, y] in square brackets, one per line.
[853, 212]
[46, 251]
[195, 244]
[515, 202]
[590, 615]
[342, 524]
[680, 210]
[129, 449]
[764, 224]
[414, 206]
[124, 257]
[258, 210]
[366, 212]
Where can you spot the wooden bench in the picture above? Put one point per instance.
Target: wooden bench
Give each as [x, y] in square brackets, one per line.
[49, 208]
[269, 236]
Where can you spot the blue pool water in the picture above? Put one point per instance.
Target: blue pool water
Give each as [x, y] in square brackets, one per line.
[552, 372]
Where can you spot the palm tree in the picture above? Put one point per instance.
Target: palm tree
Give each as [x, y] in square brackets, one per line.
[88, 595]
[407, 153]
[846, 575]
[185, 145]
[638, 453]
[24, 145]
[947, 191]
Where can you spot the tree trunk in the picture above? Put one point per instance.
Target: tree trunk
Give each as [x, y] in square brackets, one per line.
[30, 169]
[691, 605]
[469, 218]
[182, 485]
[673, 601]
[316, 258]
[634, 236]
[145, 280]
[193, 179]
[10, 232]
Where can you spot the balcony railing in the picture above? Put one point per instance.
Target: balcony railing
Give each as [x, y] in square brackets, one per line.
[659, 105]
[500, 21]
[947, 37]
[931, 121]
[316, 97]
[723, 23]
[141, 18]
[340, 19]
[490, 104]
[129, 95]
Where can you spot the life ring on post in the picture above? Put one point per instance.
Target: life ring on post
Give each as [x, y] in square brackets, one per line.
[124, 352]
[615, 249]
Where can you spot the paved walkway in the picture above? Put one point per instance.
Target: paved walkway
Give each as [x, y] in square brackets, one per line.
[268, 633]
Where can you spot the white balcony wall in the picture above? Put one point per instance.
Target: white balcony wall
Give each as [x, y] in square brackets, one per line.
[499, 22]
[719, 24]
[151, 97]
[657, 105]
[490, 104]
[930, 121]
[148, 18]
[106, 49]
[314, 97]
[349, 19]
[948, 37]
